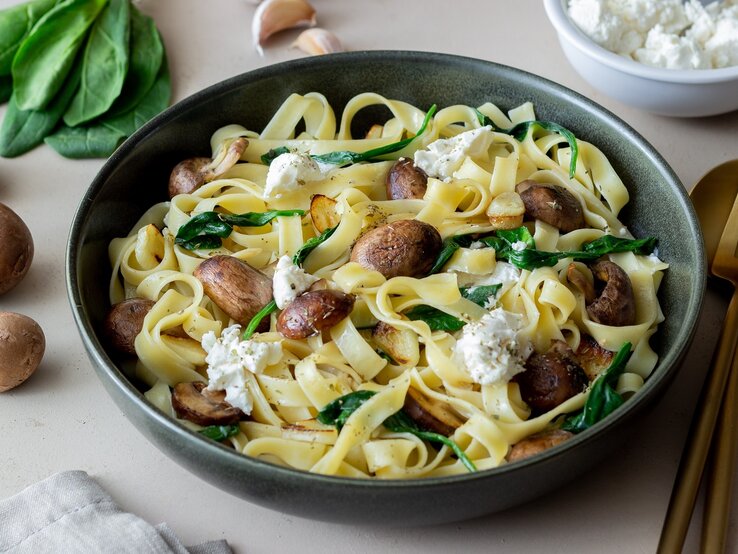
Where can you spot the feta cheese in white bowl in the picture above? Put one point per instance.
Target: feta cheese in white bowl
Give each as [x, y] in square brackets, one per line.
[610, 36]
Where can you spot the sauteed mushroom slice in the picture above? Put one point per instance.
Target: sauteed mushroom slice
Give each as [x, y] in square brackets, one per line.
[610, 299]
[124, 322]
[431, 414]
[552, 204]
[535, 444]
[235, 287]
[592, 357]
[615, 304]
[551, 378]
[313, 312]
[193, 402]
[190, 174]
[407, 247]
[405, 180]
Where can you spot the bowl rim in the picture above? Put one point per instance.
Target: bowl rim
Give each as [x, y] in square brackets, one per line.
[568, 30]
[111, 374]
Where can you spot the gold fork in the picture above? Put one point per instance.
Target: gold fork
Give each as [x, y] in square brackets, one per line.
[710, 199]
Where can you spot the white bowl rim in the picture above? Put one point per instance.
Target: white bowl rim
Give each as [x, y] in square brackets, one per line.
[557, 14]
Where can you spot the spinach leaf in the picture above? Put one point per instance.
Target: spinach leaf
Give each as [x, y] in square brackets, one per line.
[104, 65]
[22, 130]
[310, 245]
[15, 24]
[402, 423]
[206, 230]
[337, 412]
[609, 244]
[345, 157]
[520, 131]
[450, 245]
[45, 57]
[436, 319]
[603, 399]
[439, 320]
[6, 88]
[256, 320]
[145, 57]
[220, 432]
[100, 139]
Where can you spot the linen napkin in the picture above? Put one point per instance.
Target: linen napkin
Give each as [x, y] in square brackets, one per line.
[71, 513]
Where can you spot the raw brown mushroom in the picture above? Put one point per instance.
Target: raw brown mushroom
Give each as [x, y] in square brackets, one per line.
[405, 180]
[16, 249]
[22, 345]
[124, 322]
[552, 204]
[313, 312]
[535, 444]
[610, 299]
[431, 414]
[235, 287]
[550, 379]
[407, 247]
[190, 174]
[193, 402]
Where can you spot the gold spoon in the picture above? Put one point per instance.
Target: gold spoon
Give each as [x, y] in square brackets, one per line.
[715, 197]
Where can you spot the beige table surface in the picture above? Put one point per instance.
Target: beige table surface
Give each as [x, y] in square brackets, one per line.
[62, 418]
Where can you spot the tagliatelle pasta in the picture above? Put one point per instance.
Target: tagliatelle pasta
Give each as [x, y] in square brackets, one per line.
[302, 376]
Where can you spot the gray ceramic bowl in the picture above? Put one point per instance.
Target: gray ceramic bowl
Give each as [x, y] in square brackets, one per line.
[136, 177]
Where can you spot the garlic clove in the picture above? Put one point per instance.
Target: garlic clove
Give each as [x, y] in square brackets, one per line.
[273, 16]
[318, 41]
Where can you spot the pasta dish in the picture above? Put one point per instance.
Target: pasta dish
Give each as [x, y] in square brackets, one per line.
[450, 292]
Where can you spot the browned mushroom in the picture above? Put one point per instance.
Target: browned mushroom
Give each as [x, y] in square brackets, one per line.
[193, 402]
[407, 247]
[550, 379]
[190, 174]
[580, 281]
[400, 344]
[552, 204]
[235, 287]
[405, 180]
[124, 322]
[592, 357]
[615, 304]
[313, 312]
[535, 444]
[431, 414]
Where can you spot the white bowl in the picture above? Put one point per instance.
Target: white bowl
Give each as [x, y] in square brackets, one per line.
[680, 93]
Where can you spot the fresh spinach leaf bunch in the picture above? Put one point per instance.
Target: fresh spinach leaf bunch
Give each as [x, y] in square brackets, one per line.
[298, 259]
[603, 399]
[81, 75]
[344, 157]
[207, 229]
[520, 131]
[337, 413]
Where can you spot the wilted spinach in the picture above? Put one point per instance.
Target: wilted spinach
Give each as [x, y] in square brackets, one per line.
[104, 64]
[345, 157]
[337, 413]
[603, 399]
[220, 432]
[438, 320]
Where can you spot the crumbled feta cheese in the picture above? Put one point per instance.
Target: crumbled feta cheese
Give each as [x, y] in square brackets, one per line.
[492, 350]
[444, 156]
[291, 170]
[663, 33]
[477, 244]
[289, 282]
[228, 357]
[519, 245]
